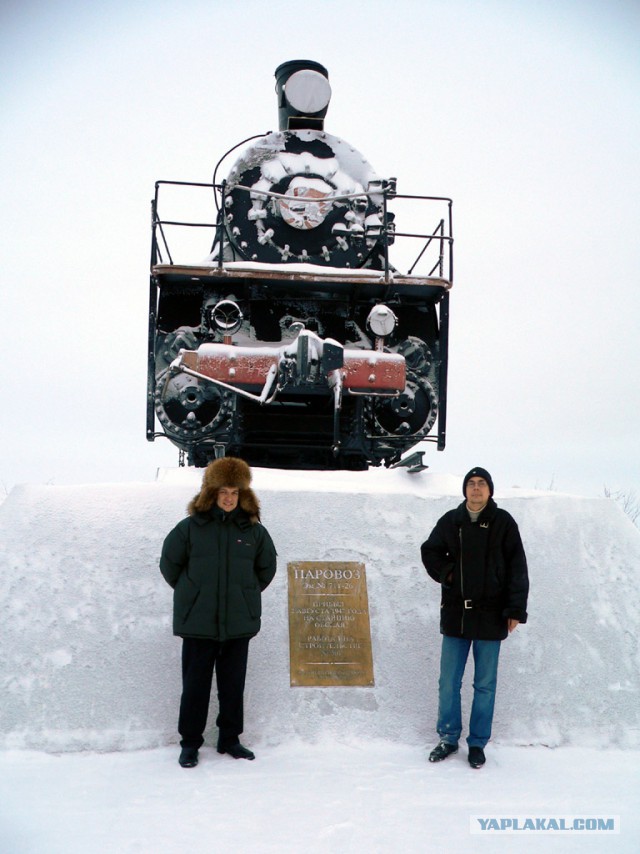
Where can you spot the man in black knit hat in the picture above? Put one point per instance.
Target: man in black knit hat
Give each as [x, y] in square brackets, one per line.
[476, 555]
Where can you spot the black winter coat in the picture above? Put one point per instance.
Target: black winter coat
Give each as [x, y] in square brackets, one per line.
[482, 569]
[218, 565]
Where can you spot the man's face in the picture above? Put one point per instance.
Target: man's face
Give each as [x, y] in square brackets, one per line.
[477, 493]
[228, 498]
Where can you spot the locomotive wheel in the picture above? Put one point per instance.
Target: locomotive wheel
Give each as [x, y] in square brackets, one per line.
[187, 407]
[413, 411]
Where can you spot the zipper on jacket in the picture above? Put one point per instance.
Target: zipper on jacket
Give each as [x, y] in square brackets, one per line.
[461, 583]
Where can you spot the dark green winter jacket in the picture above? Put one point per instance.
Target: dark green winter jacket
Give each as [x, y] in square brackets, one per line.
[218, 565]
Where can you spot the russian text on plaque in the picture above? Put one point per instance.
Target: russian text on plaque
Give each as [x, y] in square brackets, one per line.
[329, 631]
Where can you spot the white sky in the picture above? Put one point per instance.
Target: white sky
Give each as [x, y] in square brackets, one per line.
[525, 113]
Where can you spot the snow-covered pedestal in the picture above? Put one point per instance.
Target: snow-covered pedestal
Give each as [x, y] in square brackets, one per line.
[89, 661]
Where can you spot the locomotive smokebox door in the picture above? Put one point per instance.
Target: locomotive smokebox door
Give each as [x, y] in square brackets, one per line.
[295, 342]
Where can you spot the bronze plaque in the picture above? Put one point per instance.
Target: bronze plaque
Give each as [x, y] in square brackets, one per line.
[329, 633]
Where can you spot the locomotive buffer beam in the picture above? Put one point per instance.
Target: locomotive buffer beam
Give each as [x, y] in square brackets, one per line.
[309, 363]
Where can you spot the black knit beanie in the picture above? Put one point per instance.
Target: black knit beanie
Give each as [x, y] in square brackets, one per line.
[477, 471]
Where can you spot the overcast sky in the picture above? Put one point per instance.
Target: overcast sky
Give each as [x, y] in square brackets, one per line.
[525, 113]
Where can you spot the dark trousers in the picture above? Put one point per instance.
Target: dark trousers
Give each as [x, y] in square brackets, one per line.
[199, 657]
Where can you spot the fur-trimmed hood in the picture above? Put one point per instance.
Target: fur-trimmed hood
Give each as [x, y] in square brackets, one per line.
[229, 472]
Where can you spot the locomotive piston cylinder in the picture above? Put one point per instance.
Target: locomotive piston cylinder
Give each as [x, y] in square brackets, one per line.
[308, 361]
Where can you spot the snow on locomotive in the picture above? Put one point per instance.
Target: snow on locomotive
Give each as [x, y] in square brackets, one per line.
[296, 344]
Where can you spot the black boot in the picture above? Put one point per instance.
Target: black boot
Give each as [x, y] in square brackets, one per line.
[237, 751]
[188, 757]
[476, 757]
[441, 751]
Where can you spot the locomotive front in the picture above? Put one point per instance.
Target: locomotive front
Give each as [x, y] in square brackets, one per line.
[295, 343]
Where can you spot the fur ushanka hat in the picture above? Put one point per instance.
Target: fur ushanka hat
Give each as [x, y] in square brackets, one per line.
[230, 472]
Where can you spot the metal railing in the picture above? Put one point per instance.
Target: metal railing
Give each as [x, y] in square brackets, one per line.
[437, 249]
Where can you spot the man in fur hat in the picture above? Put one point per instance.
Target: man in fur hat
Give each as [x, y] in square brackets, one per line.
[476, 555]
[218, 561]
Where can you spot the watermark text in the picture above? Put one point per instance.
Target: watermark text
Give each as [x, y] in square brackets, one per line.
[545, 824]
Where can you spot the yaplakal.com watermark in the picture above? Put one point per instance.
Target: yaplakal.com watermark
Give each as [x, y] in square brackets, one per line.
[588, 824]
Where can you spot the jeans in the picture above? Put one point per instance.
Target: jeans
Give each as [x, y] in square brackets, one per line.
[453, 659]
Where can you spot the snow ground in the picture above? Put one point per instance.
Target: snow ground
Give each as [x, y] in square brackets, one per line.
[375, 797]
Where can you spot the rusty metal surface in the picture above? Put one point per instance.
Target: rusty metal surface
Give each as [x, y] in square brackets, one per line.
[283, 275]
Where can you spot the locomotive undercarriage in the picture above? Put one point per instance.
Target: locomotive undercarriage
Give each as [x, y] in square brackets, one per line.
[308, 417]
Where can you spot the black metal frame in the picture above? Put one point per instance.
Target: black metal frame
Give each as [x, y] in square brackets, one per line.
[443, 233]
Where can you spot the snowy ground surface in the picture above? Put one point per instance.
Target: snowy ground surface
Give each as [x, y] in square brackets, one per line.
[374, 797]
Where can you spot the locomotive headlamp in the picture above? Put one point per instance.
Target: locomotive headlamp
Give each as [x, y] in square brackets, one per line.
[381, 321]
[303, 93]
[226, 317]
[308, 92]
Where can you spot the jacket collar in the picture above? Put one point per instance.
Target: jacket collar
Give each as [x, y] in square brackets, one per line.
[462, 514]
[238, 516]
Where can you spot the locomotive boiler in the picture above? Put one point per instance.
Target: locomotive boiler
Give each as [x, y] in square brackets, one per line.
[295, 342]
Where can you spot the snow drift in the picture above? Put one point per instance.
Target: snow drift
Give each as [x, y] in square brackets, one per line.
[89, 661]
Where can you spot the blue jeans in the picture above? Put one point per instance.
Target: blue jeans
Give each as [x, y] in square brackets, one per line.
[453, 659]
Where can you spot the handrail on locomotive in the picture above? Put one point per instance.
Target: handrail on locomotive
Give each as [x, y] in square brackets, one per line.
[443, 232]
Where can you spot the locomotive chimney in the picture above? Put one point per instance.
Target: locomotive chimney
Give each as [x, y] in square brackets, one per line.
[304, 93]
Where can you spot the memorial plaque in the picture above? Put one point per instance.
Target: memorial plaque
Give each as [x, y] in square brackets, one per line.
[329, 633]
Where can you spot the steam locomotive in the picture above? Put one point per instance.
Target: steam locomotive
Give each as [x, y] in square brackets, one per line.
[296, 343]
